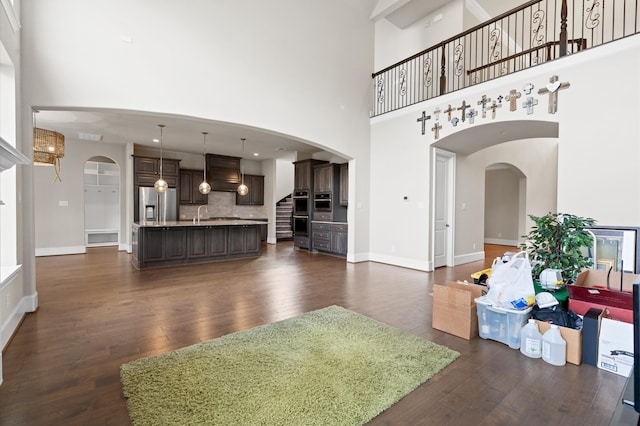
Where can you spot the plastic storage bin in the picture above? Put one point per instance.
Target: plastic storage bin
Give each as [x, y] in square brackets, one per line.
[501, 324]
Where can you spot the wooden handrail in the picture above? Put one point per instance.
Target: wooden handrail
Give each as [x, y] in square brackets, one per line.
[581, 42]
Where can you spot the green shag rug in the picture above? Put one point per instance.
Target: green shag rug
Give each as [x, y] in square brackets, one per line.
[327, 367]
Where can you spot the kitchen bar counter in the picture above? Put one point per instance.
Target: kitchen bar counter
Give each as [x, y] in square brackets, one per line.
[171, 243]
[203, 222]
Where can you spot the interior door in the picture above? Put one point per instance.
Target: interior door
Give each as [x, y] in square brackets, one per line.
[443, 208]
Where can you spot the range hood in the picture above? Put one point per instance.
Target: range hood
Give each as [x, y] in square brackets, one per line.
[223, 172]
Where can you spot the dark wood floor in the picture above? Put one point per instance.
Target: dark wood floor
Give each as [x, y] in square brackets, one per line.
[97, 312]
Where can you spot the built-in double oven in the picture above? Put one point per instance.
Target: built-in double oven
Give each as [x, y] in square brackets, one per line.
[301, 210]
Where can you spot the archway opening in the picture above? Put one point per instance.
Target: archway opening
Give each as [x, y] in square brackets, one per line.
[101, 202]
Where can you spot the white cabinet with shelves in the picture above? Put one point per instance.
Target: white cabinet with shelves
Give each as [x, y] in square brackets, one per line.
[101, 203]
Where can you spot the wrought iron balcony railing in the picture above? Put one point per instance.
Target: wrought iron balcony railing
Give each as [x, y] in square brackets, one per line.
[534, 33]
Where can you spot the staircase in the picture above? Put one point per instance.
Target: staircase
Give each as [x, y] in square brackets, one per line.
[284, 212]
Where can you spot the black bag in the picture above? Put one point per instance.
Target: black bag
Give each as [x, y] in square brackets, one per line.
[557, 315]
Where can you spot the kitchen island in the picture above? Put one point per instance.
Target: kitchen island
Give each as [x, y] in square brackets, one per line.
[171, 243]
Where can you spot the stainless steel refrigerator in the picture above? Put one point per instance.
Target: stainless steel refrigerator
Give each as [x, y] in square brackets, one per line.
[158, 206]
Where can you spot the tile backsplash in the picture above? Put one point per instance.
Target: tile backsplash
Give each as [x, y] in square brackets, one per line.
[222, 204]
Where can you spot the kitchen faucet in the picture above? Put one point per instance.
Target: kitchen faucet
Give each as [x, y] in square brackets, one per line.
[205, 208]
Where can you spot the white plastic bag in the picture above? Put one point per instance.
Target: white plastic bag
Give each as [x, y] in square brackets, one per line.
[511, 284]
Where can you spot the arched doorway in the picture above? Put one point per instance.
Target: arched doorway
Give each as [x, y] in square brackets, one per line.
[101, 202]
[504, 204]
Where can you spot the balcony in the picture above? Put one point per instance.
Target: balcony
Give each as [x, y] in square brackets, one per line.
[534, 33]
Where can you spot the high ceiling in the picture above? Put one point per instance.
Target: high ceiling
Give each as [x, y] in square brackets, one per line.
[184, 134]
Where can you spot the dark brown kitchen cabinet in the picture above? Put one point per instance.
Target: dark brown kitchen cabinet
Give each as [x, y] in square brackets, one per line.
[255, 196]
[244, 239]
[329, 237]
[189, 187]
[223, 172]
[344, 184]
[146, 171]
[323, 178]
[303, 174]
[164, 243]
[207, 241]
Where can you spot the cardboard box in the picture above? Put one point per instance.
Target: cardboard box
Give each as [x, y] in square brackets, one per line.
[454, 308]
[590, 291]
[615, 347]
[571, 336]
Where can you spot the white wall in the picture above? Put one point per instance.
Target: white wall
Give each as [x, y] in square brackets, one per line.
[297, 68]
[596, 153]
[59, 228]
[393, 44]
[501, 206]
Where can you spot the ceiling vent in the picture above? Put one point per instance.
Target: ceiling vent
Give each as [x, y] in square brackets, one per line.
[89, 137]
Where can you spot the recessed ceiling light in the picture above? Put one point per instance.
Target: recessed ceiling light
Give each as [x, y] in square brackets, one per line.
[255, 154]
[156, 140]
[280, 149]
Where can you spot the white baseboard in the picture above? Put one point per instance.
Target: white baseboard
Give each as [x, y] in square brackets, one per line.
[124, 247]
[58, 251]
[27, 304]
[501, 242]
[420, 265]
[272, 240]
[468, 258]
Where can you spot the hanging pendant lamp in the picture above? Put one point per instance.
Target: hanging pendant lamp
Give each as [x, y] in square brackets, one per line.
[242, 189]
[48, 148]
[204, 187]
[161, 184]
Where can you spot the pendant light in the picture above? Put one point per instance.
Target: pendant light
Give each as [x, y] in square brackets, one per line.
[242, 189]
[204, 187]
[161, 184]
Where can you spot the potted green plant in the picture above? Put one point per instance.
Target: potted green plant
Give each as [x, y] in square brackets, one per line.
[558, 241]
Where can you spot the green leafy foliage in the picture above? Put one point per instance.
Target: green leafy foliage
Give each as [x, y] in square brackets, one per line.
[557, 241]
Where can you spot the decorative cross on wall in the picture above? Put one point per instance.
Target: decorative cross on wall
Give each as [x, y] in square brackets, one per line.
[512, 97]
[500, 98]
[436, 113]
[424, 119]
[463, 108]
[484, 101]
[493, 108]
[472, 114]
[552, 89]
[454, 121]
[449, 111]
[436, 130]
[527, 88]
[529, 104]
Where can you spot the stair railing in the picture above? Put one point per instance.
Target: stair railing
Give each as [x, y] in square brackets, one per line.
[531, 34]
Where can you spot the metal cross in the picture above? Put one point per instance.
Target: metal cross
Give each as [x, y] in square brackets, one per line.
[463, 108]
[493, 108]
[512, 97]
[484, 101]
[552, 89]
[449, 111]
[500, 98]
[471, 114]
[528, 88]
[436, 113]
[529, 104]
[424, 119]
[436, 130]
[454, 121]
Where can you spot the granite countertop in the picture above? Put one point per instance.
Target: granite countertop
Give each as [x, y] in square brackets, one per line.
[203, 222]
[324, 221]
